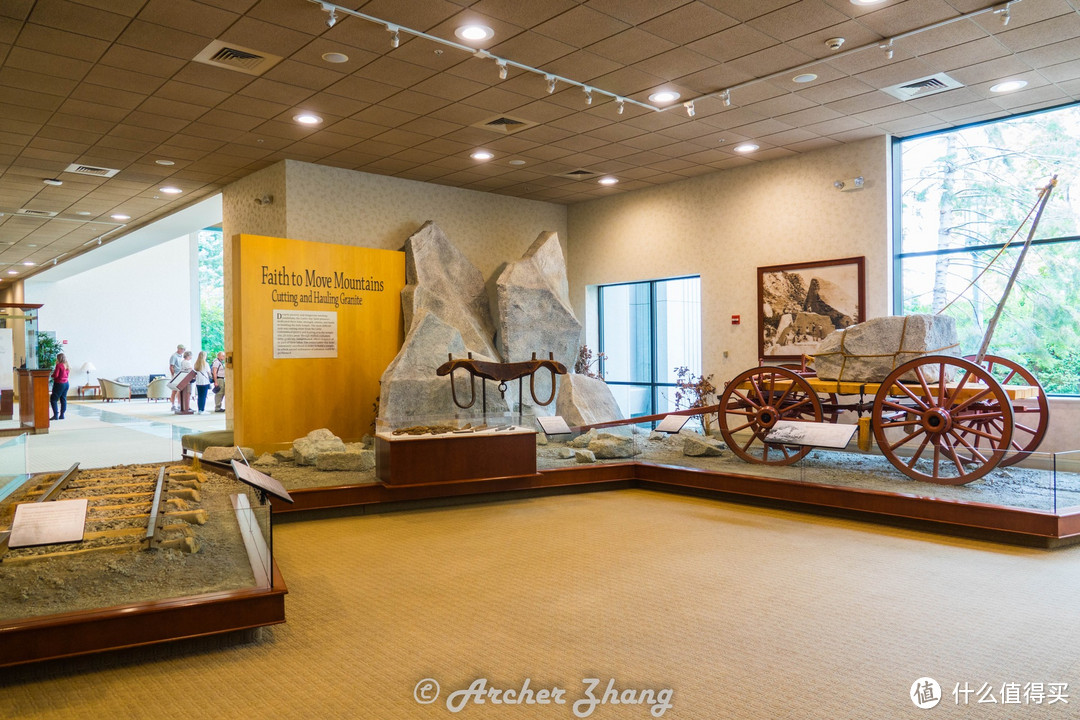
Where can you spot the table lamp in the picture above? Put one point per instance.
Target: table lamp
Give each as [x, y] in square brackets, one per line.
[88, 367]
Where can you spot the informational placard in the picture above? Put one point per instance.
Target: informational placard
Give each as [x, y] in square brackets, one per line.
[305, 334]
[672, 423]
[554, 425]
[181, 380]
[48, 523]
[260, 480]
[812, 434]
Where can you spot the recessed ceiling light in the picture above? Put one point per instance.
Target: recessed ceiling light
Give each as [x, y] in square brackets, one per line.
[121, 216]
[664, 96]
[12, 272]
[474, 33]
[866, 2]
[52, 181]
[83, 212]
[31, 245]
[608, 180]
[482, 155]
[804, 78]
[745, 148]
[335, 57]
[516, 162]
[164, 162]
[307, 119]
[1008, 86]
[170, 190]
[29, 264]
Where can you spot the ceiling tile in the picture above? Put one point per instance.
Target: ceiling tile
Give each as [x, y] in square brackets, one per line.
[902, 17]
[525, 14]
[581, 26]
[79, 19]
[630, 46]
[60, 42]
[188, 16]
[800, 18]
[688, 23]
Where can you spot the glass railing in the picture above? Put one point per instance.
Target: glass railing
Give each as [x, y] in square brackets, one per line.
[14, 461]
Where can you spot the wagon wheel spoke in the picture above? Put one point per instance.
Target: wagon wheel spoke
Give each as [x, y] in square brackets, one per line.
[918, 453]
[757, 389]
[783, 396]
[907, 439]
[919, 400]
[975, 454]
[745, 399]
[983, 417]
[789, 410]
[972, 400]
[950, 452]
[944, 388]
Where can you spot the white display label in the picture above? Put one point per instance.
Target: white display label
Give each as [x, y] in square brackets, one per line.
[305, 334]
[48, 523]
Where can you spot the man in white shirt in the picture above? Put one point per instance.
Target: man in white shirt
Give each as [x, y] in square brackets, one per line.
[175, 360]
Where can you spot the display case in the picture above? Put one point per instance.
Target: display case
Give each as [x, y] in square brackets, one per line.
[159, 552]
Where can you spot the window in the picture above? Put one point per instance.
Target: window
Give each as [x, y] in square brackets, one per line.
[647, 330]
[963, 194]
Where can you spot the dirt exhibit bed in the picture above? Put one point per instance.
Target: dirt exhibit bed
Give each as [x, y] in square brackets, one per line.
[1021, 503]
[110, 590]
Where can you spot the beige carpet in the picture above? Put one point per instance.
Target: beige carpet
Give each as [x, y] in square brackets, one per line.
[742, 612]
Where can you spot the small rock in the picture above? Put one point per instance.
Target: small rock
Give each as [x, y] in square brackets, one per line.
[225, 454]
[607, 445]
[584, 456]
[565, 453]
[307, 449]
[337, 461]
[699, 446]
[583, 440]
[541, 439]
[284, 455]
[368, 440]
[266, 460]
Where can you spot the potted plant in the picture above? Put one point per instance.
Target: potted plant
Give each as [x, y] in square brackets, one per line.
[47, 350]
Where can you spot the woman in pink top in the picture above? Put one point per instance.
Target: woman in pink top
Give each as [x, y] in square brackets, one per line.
[60, 386]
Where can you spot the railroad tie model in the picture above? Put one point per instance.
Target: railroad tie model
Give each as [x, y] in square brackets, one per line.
[128, 510]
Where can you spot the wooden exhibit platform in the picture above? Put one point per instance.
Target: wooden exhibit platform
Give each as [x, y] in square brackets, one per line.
[1018, 526]
[144, 623]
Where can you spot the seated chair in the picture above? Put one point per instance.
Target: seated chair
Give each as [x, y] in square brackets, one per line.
[112, 390]
[158, 389]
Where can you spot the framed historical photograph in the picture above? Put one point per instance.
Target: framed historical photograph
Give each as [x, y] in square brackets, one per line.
[799, 304]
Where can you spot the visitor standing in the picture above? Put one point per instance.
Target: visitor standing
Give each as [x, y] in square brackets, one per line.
[202, 380]
[175, 361]
[217, 371]
[60, 387]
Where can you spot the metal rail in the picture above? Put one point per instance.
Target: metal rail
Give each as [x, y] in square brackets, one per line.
[155, 507]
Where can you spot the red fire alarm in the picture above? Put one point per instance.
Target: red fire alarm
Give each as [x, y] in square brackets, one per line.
[734, 319]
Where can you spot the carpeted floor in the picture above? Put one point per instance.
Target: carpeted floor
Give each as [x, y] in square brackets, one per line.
[741, 612]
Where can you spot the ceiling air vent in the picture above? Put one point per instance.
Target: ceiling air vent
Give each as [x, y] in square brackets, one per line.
[237, 57]
[90, 170]
[929, 85]
[579, 174]
[504, 124]
[35, 213]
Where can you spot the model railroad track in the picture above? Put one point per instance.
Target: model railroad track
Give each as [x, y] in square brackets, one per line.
[128, 510]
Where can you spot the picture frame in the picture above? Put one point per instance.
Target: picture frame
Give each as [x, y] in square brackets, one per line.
[800, 303]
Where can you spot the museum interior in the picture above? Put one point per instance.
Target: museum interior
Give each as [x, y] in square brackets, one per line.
[581, 358]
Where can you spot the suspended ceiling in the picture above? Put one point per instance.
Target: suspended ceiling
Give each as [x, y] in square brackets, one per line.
[113, 84]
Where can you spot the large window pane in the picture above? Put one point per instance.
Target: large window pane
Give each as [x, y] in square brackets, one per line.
[964, 194]
[627, 330]
[647, 330]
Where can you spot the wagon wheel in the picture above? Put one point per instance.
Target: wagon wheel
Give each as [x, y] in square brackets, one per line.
[1030, 416]
[939, 422]
[755, 401]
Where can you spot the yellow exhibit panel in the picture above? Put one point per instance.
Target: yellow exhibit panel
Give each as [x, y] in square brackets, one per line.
[313, 327]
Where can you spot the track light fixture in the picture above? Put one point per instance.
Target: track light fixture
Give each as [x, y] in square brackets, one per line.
[502, 69]
[395, 39]
[331, 15]
[588, 95]
[888, 48]
[621, 103]
[1003, 13]
[550, 83]
[689, 105]
[726, 97]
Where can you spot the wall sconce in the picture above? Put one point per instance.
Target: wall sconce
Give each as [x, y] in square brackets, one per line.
[849, 185]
